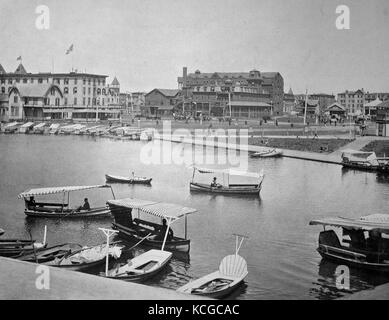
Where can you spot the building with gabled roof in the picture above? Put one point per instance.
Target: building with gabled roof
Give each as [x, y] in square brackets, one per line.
[160, 102]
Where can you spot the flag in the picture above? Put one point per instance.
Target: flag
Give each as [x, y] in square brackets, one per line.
[19, 58]
[69, 50]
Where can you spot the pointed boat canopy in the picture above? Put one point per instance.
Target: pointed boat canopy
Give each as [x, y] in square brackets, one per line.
[54, 190]
[231, 172]
[40, 125]
[159, 209]
[27, 125]
[379, 222]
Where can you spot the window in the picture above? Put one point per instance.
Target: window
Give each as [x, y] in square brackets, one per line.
[83, 81]
[89, 81]
[2, 89]
[40, 80]
[2, 81]
[98, 91]
[52, 91]
[9, 81]
[88, 101]
[65, 101]
[16, 99]
[24, 80]
[103, 91]
[75, 81]
[57, 102]
[75, 90]
[89, 90]
[75, 101]
[66, 81]
[66, 90]
[83, 101]
[84, 91]
[17, 80]
[32, 80]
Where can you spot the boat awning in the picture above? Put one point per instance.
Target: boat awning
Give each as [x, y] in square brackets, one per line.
[374, 221]
[54, 190]
[231, 172]
[11, 125]
[40, 125]
[27, 125]
[159, 209]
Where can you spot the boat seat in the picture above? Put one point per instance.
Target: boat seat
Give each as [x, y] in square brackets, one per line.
[233, 266]
[329, 238]
[47, 204]
[147, 223]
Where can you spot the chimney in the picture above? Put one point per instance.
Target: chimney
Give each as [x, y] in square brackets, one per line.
[184, 76]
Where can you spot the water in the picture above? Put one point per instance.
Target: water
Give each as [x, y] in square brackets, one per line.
[281, 251]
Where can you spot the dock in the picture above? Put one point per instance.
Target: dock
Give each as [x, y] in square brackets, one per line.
[18, 281]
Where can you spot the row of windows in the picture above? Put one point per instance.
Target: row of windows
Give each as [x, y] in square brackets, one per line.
[56, 81]
[66, 91]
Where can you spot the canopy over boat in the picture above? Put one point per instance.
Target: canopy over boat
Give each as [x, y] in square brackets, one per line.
[379, 222]
[359, 156]
[231, 172]
[169, 211]
[54, 190]
[54, 126]
[10, 125]
[27, 125]
[40, 125]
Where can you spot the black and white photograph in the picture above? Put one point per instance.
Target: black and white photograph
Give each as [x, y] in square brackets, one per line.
[207, 151]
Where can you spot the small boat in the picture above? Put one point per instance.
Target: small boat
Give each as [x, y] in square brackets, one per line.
[17, 247]
[26, 127]
[49, 254]
[147, 135]
[131, 180]
[54, 128]
[269, 153]
[39, 128]
[11, 127]
[143, 230]
[60, 210]
[86, 258]
[352, 247]
[232, 272]
[362, 160]
[228, 188]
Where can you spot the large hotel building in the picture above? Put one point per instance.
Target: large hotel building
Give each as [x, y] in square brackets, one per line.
[71, 95]
[251, 94]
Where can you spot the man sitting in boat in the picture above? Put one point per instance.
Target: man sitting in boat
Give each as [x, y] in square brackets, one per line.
[85, 206]
[162, 231]
[30, 204]
[214, 183]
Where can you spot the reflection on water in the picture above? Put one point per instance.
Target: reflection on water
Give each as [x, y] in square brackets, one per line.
[281, 249]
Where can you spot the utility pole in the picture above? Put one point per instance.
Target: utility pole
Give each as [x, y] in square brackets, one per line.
[306, 104]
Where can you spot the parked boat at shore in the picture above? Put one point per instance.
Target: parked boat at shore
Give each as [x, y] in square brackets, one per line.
[146, 231]
[268, 153]
[39, 128]
[54, 128]
[26, 127]
[361, 243]
[61, 210]
[362, 160]
[227, 187]
[17, 247]
[232, 272]
[131, 180]
[11, 127]
[49, 254]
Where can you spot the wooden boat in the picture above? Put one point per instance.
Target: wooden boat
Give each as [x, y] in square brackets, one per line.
[130, 180]
[366, 161]
[54, 128]
[353, 248]
[11, 127]
[17, 247]
[60, 210]
[142, 230]
[232, 272]
[39, 128]
[26, 127]
[269, 153]
[86, 258]
[142, 267]
[228, 188]
[49, 254]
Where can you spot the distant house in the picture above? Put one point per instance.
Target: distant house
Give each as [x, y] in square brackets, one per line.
[160, 102]
[336, 110]
[371, 107]
[382, 119]
[312, 107]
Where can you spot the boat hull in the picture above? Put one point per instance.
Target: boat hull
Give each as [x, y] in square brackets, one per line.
[132, 235]
[200, 187]
[110, 178]
[94, 213]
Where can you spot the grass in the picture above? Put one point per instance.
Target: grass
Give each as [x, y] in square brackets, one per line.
[302, 144]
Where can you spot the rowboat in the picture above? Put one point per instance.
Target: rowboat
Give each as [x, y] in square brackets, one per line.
[54, 128]
[130, 180]
[232, 272]
[227, 187]
[17, 247]
[86, 258]
[11, 127]
[39, 128]
[362, 160]
[26, 127]
[151, 262]
[352, 247]
[60, 210]
[145, 231]
[49, 254]
[268, 153]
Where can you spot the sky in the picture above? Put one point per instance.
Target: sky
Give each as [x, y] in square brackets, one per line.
[146, 43]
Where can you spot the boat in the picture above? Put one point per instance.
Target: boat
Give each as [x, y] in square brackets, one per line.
[86, 258]
[26, 127]
[11, 127]
[227, 187]
[61, 210]
[49, 254]
[138, 229]
[54, 128]
[232, 272]
[360, 243]
[39, 128]
[17, 247]
[148, 264]
[147, 134]
[268, 153]
[364, 160]
[131, 180]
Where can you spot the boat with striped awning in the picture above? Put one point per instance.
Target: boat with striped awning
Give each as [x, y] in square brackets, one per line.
[136, 229]
[61, 210]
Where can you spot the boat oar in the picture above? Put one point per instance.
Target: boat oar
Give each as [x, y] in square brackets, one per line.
[138, 243]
